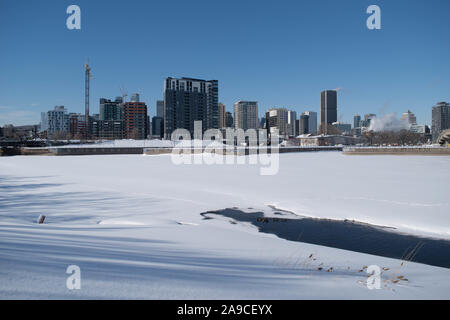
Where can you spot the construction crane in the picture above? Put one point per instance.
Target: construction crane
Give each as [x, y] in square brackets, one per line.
[88, 76]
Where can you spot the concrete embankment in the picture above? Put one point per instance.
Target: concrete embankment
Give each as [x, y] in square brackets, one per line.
[96, 151]
[430, 151]
[35, 152]
[79, 151]
[9, 151]
[239, 150]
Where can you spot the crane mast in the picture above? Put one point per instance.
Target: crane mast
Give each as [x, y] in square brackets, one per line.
[86, 99]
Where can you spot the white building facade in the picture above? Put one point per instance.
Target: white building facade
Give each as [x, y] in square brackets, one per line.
[56, 120]
[246, 115]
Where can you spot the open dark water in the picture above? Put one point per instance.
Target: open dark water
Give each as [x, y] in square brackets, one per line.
[348, 235]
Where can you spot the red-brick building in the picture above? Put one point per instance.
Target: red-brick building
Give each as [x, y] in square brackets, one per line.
[135, 118]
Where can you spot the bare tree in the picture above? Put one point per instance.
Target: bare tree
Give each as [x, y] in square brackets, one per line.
[400, 138]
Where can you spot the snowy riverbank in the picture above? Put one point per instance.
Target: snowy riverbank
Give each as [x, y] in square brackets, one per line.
[133, 225]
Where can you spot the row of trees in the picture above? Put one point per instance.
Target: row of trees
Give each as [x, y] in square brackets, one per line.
[402, 137]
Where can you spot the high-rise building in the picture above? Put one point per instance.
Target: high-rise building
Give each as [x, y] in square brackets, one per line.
[108, 129]
[410, 117]
[135, 120]
[303, 124]
[312, 121]
[246, 115]
[367, 118]
[440, 119]
[187, 100]
[229, 122]
[356, 120]
[110, 110]
[160, 108]
[157, 123]
[135, 97]
[276, 118]
[297, 126]
[328, 108]
[419, 128]
[221, 115]
[77, 125]
[291, 124]
[262, 123]
[55, 121]
[110, 123]
[44, 122]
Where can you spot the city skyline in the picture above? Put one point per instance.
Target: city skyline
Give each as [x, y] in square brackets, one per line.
[158, 105]
[275, 59]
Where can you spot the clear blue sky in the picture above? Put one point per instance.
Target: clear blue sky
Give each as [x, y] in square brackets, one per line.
[280, 53]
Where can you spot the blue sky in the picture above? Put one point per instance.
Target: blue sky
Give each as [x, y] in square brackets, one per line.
[280, 53]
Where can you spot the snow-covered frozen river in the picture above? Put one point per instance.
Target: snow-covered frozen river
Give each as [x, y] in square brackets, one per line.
[133, 225]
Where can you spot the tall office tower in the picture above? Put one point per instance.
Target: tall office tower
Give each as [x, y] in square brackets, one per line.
[367, 118]
[110, 110]
[328, 108]
[410, 117]
[297, 127]
[135, 118]
[276, 118]
[262, 123]
[160, 114]
[135, 97]
[55, 121]
[312, 122]
[187, 100]
[229, 122]
[304, 124]
[160, 108]
[291, 117]
[44, 122]
[356, 120]
[440, 119]
[246, 115]
[157, 123]
[221, 115]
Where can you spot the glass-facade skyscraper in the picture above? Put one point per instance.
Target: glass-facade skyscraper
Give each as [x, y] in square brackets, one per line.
[440, 119]
[328, 108]
[187, 100]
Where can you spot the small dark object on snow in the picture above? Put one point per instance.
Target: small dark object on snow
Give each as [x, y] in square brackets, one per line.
[41, 219]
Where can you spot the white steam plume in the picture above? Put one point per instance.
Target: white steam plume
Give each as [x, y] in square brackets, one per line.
[388, 122]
